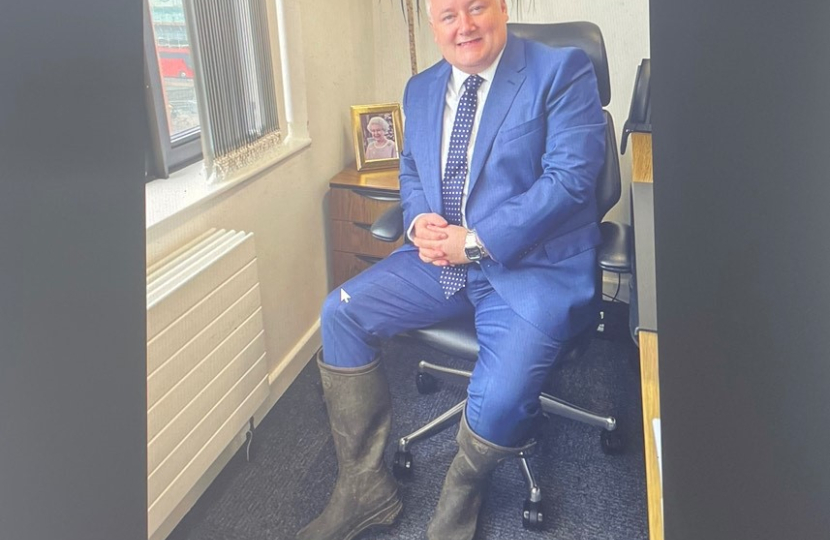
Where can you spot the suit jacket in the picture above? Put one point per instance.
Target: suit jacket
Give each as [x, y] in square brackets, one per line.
[533, 171]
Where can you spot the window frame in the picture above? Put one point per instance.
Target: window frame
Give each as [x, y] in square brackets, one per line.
[164, 153]
[188, 188]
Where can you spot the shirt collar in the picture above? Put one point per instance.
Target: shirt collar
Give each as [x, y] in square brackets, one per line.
[458, 76]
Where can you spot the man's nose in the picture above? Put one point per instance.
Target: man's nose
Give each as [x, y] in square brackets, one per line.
[466, 24]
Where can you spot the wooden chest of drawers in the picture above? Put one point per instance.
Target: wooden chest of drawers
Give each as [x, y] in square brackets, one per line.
[357, 199]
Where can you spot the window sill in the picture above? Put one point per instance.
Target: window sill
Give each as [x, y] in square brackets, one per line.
[189, 188]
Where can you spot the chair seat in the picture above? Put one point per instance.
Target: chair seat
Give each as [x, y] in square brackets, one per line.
[614, 253]
[457, 337]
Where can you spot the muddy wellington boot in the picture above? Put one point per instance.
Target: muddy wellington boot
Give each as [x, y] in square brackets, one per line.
[456, 515]
[365, 494]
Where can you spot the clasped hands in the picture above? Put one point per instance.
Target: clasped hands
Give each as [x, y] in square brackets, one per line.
[438, 242]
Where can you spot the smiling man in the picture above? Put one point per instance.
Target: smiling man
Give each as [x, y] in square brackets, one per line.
[504, 142]
[470, 38]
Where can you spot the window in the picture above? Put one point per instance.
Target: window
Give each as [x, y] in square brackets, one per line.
[170, 74]
[211, 87]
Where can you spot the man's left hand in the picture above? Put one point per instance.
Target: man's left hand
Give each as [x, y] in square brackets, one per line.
[453, 246]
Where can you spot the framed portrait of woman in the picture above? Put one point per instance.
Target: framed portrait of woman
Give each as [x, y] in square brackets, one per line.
[378, 136]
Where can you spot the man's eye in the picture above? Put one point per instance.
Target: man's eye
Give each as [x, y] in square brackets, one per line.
[448, 18]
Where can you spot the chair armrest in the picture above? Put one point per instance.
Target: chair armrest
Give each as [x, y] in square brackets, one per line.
[389, 226]
[614, 253]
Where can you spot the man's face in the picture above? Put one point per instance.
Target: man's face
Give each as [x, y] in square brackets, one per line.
[470, 33]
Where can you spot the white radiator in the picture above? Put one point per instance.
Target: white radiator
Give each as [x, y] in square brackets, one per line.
[206, 367]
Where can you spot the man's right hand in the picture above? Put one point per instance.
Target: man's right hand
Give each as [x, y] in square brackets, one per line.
[427, 234]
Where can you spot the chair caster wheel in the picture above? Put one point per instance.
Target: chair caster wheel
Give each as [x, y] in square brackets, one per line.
[611, 442]
[402, 465]
[426, 383]
[532, 516]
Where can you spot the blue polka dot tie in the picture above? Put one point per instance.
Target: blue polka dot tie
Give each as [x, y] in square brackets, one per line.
[453, 278]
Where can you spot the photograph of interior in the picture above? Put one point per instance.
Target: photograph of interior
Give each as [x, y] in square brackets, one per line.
[414, 270]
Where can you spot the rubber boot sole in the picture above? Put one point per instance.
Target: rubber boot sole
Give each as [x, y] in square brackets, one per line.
[384, 517]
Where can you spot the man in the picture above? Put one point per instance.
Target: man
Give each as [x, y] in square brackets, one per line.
[504, 141]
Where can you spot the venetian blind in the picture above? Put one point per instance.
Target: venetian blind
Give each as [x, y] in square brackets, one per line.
[235, 78]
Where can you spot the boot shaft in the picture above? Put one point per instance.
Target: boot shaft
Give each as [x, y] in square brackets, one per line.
[365, 493]
[456, 515]
[360, 413]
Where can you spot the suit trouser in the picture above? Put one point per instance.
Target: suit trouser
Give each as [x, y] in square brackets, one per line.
[401, 293]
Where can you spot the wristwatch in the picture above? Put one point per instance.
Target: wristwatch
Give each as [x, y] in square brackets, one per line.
[473, 249]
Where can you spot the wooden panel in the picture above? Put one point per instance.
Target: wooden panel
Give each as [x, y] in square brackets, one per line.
[347, 265]
[642, 172]
[350, 177]
[362, 206]
[351, 237]
[642, 169]
[359, 198]
[650, 380]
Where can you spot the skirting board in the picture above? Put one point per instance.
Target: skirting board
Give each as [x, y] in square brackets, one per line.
[279, 380]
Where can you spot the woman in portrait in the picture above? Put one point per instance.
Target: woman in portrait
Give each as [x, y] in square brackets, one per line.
[379, 147]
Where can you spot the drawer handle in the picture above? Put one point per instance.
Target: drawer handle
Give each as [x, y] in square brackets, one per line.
[376, 196]
[368, 259]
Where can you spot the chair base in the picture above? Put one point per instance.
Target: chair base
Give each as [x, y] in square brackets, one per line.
[532, 515]
[549, 403]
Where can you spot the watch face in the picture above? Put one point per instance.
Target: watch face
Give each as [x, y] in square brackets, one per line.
[473, 253]
[471, 248]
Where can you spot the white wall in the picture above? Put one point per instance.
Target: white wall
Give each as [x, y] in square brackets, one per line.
[624, 24]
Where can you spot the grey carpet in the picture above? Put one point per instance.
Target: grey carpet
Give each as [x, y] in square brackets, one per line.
[588, 495]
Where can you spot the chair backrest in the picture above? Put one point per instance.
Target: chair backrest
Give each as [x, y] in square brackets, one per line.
[584, 35]
[639, 114]
[588, 37]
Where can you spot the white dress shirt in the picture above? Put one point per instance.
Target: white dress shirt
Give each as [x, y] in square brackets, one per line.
[455, 88]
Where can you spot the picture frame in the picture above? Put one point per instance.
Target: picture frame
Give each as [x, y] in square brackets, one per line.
[378, 136]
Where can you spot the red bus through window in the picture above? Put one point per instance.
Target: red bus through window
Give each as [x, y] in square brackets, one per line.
[175, 62]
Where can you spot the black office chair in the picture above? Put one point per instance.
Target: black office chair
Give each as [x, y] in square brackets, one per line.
[458, 337]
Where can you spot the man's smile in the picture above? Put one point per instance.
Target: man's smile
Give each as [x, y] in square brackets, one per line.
[470, 42]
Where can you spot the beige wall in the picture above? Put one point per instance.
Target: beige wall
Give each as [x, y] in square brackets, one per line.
[285, 207]
[624, 24]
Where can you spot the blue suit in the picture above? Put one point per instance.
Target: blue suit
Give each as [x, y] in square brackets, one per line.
[539, 149]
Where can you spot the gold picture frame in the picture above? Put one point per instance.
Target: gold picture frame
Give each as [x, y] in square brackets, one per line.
[379, 148]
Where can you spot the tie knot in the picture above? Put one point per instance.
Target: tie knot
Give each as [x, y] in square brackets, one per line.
[473, 82]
